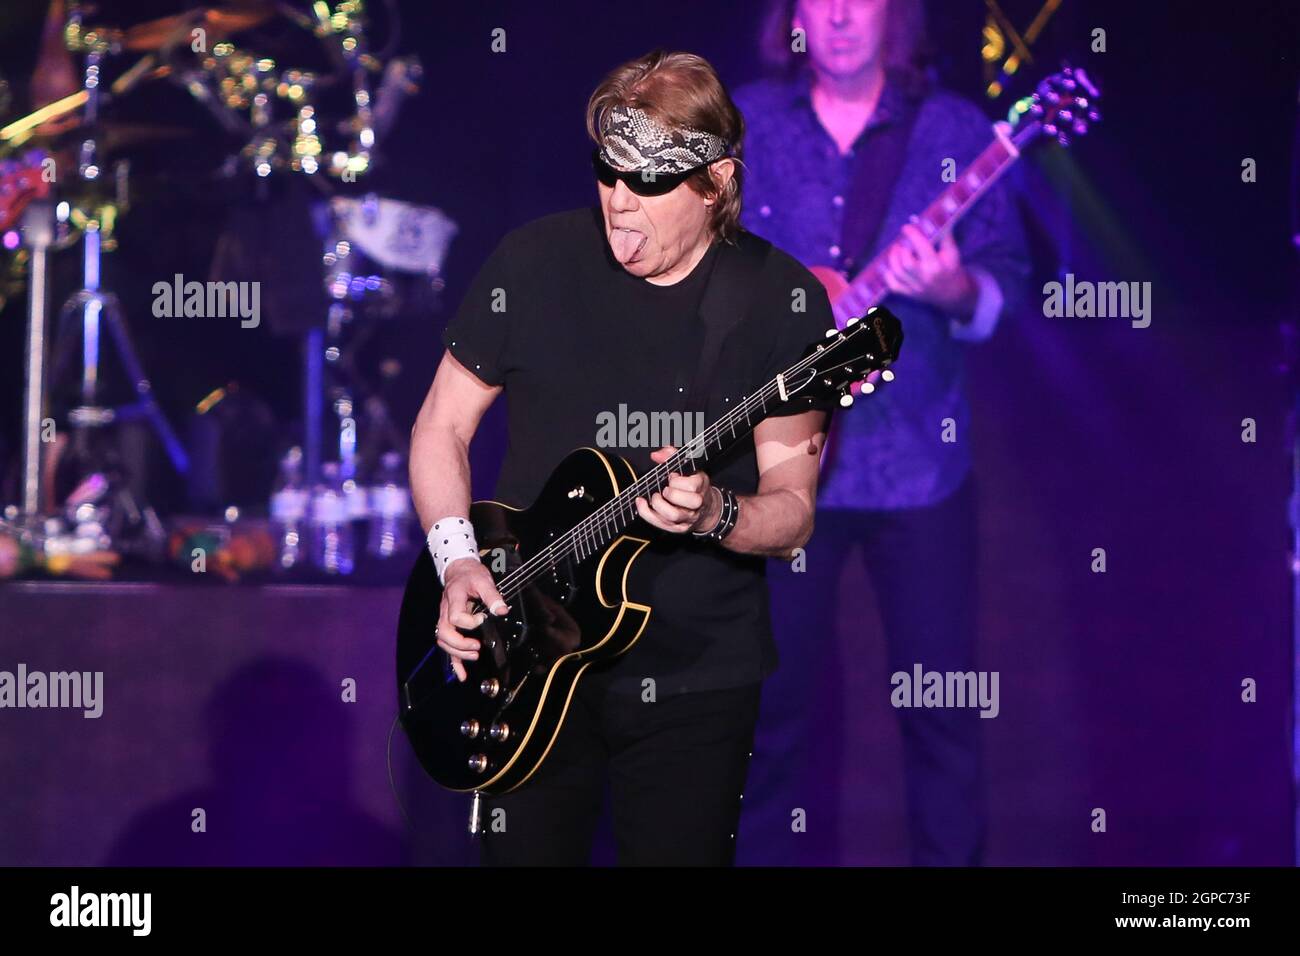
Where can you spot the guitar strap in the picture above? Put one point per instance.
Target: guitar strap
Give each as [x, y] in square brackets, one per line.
[728, 296]
[875, 174]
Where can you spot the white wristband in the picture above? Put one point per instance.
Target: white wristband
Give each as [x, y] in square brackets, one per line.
[450, 539]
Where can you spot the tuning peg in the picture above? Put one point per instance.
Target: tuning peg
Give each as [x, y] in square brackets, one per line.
[853, 321]
[1080, 127]
[1065, 116]
[887, 376]
[1049, 129]
[867, 388]
[831, 333]
[872, 309]
[846, 400]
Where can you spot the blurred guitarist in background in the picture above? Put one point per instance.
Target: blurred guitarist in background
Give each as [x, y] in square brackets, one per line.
[842, 148]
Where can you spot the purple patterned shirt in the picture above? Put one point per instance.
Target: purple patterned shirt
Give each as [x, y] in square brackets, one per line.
[890, 449]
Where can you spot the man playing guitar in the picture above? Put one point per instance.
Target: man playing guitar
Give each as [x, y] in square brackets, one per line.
[842, 148]
[572, 316]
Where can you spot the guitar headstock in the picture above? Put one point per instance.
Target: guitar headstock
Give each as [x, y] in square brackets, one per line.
[1062, 106]
[847, 356]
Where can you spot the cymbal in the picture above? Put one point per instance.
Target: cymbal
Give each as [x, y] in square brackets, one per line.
[218, 22]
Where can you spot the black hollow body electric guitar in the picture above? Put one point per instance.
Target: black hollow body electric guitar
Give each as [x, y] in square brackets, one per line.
[562, 566]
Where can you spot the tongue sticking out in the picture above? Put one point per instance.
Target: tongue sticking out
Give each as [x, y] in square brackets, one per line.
[626, 244]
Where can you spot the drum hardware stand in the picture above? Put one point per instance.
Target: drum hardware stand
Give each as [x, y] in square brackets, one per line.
[94, 303]
[358, 405]
[329, 355]
[38, 232]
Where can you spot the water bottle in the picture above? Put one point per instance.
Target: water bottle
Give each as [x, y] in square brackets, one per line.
[332, 547]
[390, 509]
[289, 513]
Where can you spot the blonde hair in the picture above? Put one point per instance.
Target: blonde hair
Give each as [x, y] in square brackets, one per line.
[680, 89]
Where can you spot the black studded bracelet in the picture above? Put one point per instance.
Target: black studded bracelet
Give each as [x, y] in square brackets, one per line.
[726, 518]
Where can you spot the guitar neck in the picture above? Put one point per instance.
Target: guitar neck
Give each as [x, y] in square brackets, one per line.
[829, 366]
[600, 527]
[868, 288]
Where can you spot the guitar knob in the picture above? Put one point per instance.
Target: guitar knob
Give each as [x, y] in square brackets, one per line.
[469, 728]
[478, 763]
[846, 400]
[499, 732]
[490, 687]
[887, 376]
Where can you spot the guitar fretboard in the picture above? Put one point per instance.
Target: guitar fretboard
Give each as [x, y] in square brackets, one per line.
[595, 531]
[869, 287]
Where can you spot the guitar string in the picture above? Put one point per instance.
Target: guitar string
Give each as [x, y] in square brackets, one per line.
[868, 289]
[588, 531]
[603, 520]
[591, 527]
[624, 501]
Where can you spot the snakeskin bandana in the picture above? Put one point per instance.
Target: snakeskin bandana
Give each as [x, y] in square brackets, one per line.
[634, 141]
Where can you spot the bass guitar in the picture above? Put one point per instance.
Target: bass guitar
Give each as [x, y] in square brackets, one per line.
[562, 565]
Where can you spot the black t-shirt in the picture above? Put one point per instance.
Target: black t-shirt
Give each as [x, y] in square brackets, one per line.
[579, 344]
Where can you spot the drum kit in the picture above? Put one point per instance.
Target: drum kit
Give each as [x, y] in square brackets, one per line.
[65, 180]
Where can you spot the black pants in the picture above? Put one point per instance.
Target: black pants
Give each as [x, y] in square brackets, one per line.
[676, 770]
[922, 566]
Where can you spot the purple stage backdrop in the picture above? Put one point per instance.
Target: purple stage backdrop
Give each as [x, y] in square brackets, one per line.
[255, 724]
[1120, 691]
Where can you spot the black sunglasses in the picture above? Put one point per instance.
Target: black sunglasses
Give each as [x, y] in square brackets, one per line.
[641, 182]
